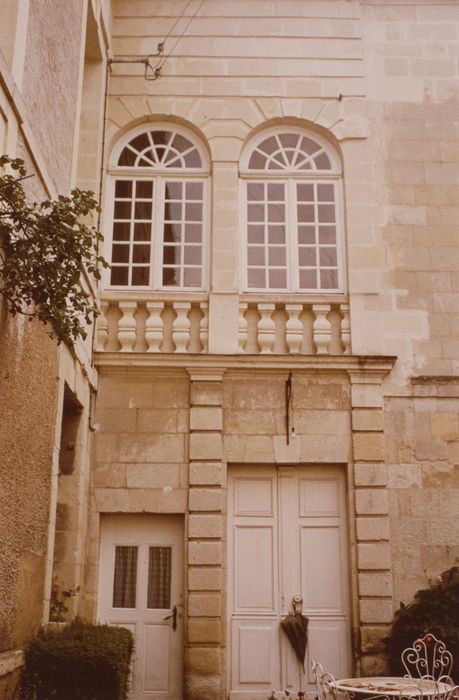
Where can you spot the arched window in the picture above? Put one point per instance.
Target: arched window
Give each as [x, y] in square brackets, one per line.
[159, 196]
[293, 232]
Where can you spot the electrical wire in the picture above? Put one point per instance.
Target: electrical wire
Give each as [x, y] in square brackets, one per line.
[157, 69]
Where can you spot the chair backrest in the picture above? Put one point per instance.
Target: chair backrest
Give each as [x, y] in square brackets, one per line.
[325, 682]
[427, 658]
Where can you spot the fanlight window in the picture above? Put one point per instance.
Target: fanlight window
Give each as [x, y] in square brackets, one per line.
[160, 190]
[293, 236]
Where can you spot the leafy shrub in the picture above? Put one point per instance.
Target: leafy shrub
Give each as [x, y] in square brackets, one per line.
[434, 610]
[80, 661]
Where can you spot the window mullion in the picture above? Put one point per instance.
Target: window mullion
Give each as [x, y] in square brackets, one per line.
[292, 236]
[158, 232]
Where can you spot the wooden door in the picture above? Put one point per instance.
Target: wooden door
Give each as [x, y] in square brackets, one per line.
[141, 588]
[287, 537]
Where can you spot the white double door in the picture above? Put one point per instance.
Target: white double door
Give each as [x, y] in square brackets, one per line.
[141, 588]
[287, 537]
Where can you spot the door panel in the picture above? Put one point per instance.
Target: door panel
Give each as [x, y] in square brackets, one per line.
[287, 536]
[141, 581]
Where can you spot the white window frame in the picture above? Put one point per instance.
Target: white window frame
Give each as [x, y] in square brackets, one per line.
[291, 178]
[159, 176]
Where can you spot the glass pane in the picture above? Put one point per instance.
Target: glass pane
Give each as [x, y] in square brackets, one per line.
[159, 577]
[328, 279]
[327, 234]
[171, 255]
[122, 210]
[256, 255]
[305, 193]
[307, 257]
[306, 212]
[275, 165]
[172, 233]
[256, 234]
[256, 212]
[308, 279]
[127, 157]
[192, 277]
[174, 190]
[192, 255]
[194, 190]
[125, 578]
[123, 188]
[142, 232]
[193, 159]
[256, 279]
[289, 140]
[326, 193]
[309, 146]
[141, 254]
[327, 257]
[173, 211]
[255, 191]
[277, 279]
[144, 189]
[193, 233]
[269, 145]
[276, 212]
[141, 276]
[276, 257]
[120, 254]
[322, 162]
[275, 192]
[121, 231]
[257, 161]
[181, 143]
[326, 213]
[119, 275]
[160, 138]
[140, 143]
[171, 276]
[193, 212]
[306, 234]
[142, 210]
[276, 234]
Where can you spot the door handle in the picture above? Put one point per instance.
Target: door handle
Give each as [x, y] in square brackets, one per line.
[174, 618]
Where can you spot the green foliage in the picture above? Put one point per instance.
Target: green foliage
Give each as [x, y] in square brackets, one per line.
[435, 610]
[58, 605]
[43, 249]
[81, 661]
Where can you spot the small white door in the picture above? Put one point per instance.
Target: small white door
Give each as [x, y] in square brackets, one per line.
[141, 588]
[287, 537]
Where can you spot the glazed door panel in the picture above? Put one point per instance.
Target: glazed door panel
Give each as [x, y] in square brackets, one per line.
[141, 588]
[287, 537]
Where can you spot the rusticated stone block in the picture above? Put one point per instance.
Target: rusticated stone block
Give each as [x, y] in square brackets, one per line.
[206, 394]
[368, 447]
[372, 639]
[204, 579]
[376, 611]
[205, 553]
[204, 631]
[206, 473]
[203, 660]
[375, 556]
[205, 499]
[370, 475]
[204, 605]
[205, 446]
[375, 584]
[371, 502]
[207, 526]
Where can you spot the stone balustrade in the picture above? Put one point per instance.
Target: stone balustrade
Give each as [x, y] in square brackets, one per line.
[300, 327]
[165, 323]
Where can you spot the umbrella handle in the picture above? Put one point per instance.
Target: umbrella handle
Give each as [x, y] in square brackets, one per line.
[297, 604]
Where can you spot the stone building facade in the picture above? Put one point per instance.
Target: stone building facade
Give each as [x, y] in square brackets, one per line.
[274, 412]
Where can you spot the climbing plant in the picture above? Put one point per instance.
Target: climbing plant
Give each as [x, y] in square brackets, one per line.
[43, 249]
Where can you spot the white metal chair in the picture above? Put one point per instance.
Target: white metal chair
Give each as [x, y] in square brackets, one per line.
[428, 658]
[325, 682]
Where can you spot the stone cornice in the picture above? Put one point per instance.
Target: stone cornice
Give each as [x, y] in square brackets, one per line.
[122, 363]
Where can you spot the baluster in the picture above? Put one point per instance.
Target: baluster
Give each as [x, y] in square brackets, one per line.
[154, 326]
[294, 328]
[204, 326]
[266, 328]
[102, 327]
[127, 326]
[321, 328]
[345, 329]
[242, 326]
[181, 326]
